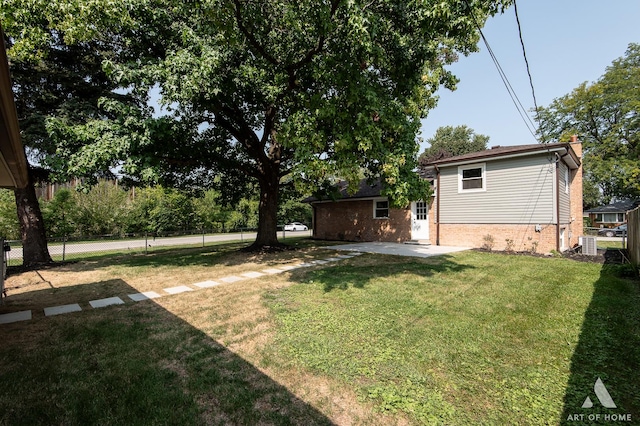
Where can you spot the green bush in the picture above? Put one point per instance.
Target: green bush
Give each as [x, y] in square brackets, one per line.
[9, 226]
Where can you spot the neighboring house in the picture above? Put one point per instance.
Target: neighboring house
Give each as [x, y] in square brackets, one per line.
[522, 197]
[611, 215]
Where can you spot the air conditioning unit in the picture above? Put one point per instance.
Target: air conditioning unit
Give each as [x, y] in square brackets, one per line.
[589, 245]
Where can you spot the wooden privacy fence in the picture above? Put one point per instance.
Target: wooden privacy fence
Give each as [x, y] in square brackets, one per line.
[633, 243]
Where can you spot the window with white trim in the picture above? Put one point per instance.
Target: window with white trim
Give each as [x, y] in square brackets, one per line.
[472, 178]
[610, 217]
[380, 209]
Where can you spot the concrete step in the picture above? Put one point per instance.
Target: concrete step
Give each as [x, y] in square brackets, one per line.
[418, 242]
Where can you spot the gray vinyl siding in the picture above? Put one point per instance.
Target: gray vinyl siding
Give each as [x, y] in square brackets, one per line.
[565, 198]
[518, 191]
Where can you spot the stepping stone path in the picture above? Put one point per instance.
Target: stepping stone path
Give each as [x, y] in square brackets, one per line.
[147, 295]
[178, 290]
[15, 317]
[206, 284]
[64, 309]
[101, 303]
[138, 297]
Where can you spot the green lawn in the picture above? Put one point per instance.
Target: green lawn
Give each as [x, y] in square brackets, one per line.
[467, 339]
[470, 338]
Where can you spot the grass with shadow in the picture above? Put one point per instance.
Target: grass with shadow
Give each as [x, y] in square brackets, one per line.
[135, 364]
[609, 349]
[469, 338]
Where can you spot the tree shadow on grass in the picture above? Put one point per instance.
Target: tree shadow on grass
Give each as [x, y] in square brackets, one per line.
[344, 274]
[609, 349]
[135, 363]
[227, 254]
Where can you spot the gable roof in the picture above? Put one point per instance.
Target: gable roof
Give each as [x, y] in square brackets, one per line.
[617, 207]
[365, 190]
[508, 151]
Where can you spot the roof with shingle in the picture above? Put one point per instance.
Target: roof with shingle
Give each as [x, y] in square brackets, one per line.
[500, 151]
[617, 207]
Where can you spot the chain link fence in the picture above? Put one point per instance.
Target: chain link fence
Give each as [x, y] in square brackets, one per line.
[62, 249]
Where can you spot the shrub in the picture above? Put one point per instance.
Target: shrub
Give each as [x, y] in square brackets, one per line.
[488, 242]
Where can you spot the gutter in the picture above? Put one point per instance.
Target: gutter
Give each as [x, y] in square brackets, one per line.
[558, 158]
[437, 205]
[573, 164]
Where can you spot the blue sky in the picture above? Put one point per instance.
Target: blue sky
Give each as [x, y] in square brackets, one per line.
[567, 42]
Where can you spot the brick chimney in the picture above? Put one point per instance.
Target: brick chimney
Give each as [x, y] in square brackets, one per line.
[576, 145]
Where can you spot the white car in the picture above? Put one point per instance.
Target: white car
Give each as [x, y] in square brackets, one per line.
[296, 226]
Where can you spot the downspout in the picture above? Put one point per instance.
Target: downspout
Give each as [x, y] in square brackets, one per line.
[557, 202]
[313, 221]
[437, 206]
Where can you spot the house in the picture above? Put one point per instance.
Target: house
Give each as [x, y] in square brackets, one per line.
[525, 197]
[611, 215]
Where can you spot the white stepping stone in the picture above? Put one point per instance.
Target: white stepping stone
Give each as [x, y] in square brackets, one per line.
[357, 253]
[101, 303]
[138, 297]
[206, 284]
[252, 274]
[231, 279]
[15, 317]
[305, 265]
[273, 271]
[63, 309]
[289, 267]
[320, 262]
[344, 256]
[177, 290]
[332, 259]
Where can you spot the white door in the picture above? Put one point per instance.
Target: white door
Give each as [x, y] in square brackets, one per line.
[419, 220]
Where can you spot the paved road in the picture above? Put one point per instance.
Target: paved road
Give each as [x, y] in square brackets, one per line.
[100, 246]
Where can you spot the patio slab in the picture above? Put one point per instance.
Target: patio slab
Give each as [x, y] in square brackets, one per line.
[62, 309]
[15, 317]
[397, 249]
[273, 271]
[101, 303]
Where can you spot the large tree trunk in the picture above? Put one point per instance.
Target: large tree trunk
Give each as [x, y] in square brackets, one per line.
[267, 237]
[34, 239]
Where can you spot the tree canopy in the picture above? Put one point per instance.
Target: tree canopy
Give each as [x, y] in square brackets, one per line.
[605, 116]
[450, 141]
[267, 91]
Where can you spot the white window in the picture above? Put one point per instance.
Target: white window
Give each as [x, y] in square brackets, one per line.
[472, 178]
[610, 217]
[380, 209]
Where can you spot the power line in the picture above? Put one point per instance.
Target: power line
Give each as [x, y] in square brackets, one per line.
[505, 80]
[526, 61]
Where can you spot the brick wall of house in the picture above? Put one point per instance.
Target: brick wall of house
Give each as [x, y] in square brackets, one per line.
[521, 237]
[353, 221]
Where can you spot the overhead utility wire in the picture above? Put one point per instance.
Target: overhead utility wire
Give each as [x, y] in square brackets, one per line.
[526, 61]
[514, 97]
